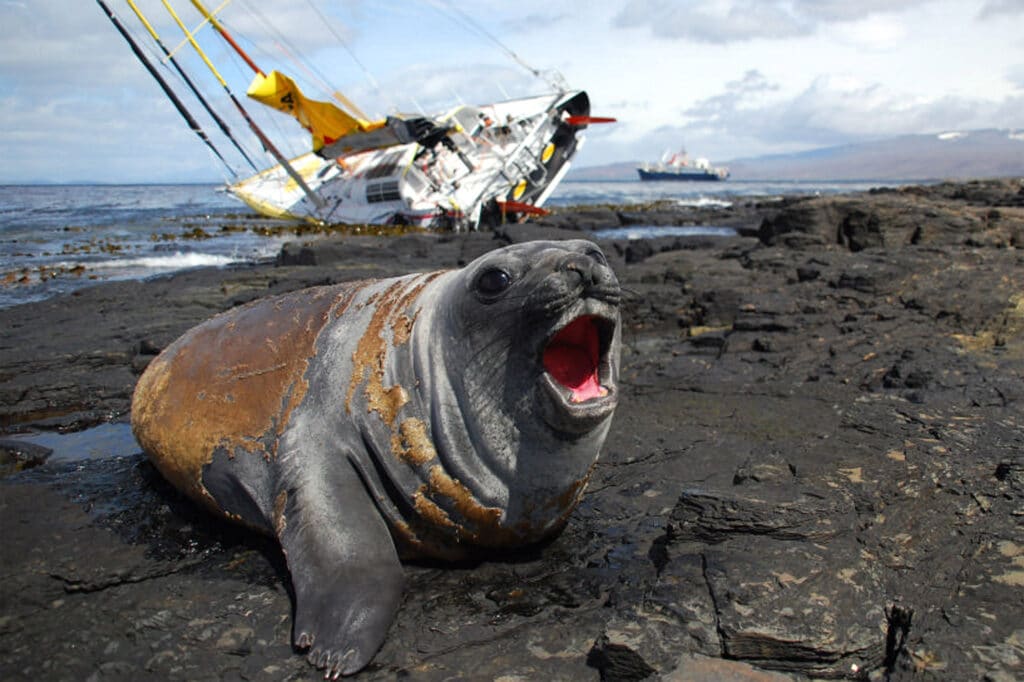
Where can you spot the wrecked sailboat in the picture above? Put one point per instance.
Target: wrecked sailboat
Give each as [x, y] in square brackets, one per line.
[465, 168]
[461, 169]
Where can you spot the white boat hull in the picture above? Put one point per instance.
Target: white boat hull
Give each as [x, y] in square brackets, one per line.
[509, 154]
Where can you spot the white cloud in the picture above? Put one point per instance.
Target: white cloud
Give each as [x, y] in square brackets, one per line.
[844, 10]
[1015, 74]
[727, 21]
[739, 95]
[728, 78]
[531, 22]
[713, 22]
[874, 33]
[435, 87]
[290, 24]
[753, 115]
[999, 8]
[833, 110]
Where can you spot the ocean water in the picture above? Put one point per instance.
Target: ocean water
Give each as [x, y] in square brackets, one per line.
[694, 193]
[55, 239]
[58, 238]
[112, 439]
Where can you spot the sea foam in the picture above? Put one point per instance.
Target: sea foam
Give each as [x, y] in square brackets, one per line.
[171, 261]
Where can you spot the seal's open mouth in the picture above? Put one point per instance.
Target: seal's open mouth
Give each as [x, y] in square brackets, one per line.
[579, 369]
[573, 358]
[579, 373]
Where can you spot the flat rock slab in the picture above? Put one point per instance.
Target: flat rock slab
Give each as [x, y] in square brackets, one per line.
[817, 471]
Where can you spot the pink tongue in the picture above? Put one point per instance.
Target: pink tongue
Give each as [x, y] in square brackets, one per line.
[571, 358]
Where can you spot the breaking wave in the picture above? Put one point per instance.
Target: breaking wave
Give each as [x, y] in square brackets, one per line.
[655, 231]
[704, 202]
[171, 261]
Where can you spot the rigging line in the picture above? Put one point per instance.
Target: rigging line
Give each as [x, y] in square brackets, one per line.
[288, 143]
[309, 69]
[279, 128]
[345, 46]
[287, 48]
[479, 28]
[189, 35]
[315, 77]
[226, 36]
[332, 93]
[230, 113]
[189, 119]
[304, 66]
[188, 81]
[190, 39]
[264, 140]
[257, 47]
[270, 28]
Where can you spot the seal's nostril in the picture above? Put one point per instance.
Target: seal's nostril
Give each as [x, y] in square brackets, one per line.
[590, 262]
[584, 267]
[597, 256]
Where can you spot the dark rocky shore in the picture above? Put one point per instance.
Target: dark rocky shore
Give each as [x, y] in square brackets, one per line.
[816, 469]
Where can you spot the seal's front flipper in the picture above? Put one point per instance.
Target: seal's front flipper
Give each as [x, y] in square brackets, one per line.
[344, 568]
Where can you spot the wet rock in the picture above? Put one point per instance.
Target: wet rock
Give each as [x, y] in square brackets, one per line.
[983, 213]
[1011, 471]
[802, 609]
[294, 253]
[16, 455]
[704, 669]
[583, 218]
[770, 468]
[517, 233]
[1008, 192]
[617, 662]
[781, 513]
[637, 250]
[807, 273]
[815, 471]
[148, 347]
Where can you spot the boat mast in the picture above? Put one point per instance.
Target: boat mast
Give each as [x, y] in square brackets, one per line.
[189, 119]
[188, 81]
[264, 140]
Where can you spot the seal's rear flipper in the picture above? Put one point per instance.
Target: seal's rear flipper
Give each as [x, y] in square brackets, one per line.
[345, 571]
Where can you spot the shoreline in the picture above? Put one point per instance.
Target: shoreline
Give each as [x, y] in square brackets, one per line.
[816, 469]
[95, 237]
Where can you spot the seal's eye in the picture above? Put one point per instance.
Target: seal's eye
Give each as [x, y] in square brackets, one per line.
[493, 282]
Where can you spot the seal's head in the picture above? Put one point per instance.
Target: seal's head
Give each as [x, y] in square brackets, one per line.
[552, 311]
[532, 353]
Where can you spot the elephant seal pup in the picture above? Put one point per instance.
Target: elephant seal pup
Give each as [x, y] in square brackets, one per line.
[434, 415]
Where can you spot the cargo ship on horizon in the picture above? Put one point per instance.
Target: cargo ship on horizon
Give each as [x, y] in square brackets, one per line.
[678, 166]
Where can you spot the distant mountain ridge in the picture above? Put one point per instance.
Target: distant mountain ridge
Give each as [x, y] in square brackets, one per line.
[949, 155]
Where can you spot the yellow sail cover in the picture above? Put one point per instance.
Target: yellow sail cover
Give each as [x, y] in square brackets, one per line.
[324, 120]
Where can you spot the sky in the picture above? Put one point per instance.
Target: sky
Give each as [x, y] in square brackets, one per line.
[727, 79]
